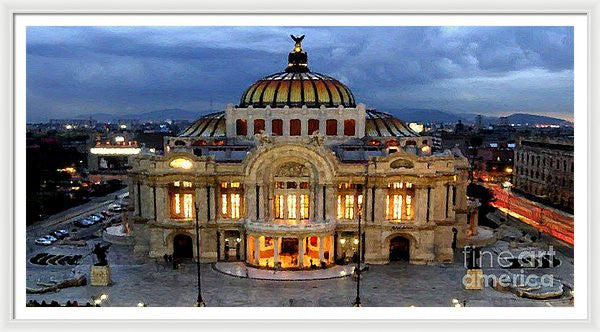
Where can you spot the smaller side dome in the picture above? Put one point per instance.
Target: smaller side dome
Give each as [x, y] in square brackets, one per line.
[209, 125]
[380, 124]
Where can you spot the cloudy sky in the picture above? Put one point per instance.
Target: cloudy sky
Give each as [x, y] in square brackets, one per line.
[74, 71]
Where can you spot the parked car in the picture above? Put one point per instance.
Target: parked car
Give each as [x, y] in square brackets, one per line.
[116, 208]
[58, 235]
[43, 241]
[50, 238]
[63, 231]
[83, 222]
[94, 218]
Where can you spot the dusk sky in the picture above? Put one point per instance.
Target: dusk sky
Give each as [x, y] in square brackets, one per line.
[79, 71]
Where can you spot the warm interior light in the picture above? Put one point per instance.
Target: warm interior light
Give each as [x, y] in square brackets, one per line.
[343, 241]
[115, 151]
[181, 163]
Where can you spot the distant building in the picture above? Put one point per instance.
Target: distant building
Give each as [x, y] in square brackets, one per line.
[544, 169]
[478, 123]
[111, 153]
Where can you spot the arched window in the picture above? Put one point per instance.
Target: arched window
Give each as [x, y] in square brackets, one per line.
[277, 127]
[241, 127]
[313, 126]
[349, 127]
[331, 127]
[295, 127]
[181, 195]
[259, 126]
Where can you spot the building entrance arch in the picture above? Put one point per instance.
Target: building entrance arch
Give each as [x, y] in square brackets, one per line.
[182, 246]
[399, 249]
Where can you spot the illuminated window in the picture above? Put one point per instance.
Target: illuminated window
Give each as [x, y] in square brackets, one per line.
[398, 202]
[177, 204]
[235, 206]
[279, 206]
[349, 207]
[291, 200]
[340, 208]
[231, 202]
[291, 206]
[303, 206]
[188, 201]
[181, 194]
[350, 200]
[224, 204]
[181, 163]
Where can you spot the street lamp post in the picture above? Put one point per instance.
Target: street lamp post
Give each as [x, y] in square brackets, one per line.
[357, 302]
[199, 301]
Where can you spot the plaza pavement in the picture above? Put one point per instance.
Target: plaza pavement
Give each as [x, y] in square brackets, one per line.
[141, 279]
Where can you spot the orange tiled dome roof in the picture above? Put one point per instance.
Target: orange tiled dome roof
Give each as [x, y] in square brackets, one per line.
[297, 86]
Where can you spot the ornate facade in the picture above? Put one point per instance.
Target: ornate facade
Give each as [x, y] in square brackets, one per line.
[282, 179]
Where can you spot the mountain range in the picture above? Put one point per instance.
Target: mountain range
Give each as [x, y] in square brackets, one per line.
[405, 114]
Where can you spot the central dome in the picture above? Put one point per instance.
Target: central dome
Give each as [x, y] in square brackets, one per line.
[297, 86]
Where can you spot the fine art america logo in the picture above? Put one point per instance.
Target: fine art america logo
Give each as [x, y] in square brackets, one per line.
[475, 258]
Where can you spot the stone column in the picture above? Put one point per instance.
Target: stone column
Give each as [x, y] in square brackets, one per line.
[379, 207]
[250, 201]
[437, 203]
[261, 202]
[301, 242]
[286, 126]
[250, 127]
[331, 202]
[256, 249]
[221, 245]
[367, 205]
[318, 208]
[213, 200]
[201, 202]
[276, 251]
[162, 203]
[420, 205]
[331, 249]
[322, 126]
[249, 256]
[321, 249]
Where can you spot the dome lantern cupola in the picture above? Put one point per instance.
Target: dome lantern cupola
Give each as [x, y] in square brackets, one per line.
[297, 59]
[297, 86]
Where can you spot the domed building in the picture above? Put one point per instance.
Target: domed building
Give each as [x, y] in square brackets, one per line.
[283, 179]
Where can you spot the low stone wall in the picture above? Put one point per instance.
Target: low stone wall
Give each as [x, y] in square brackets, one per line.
[116, 239]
